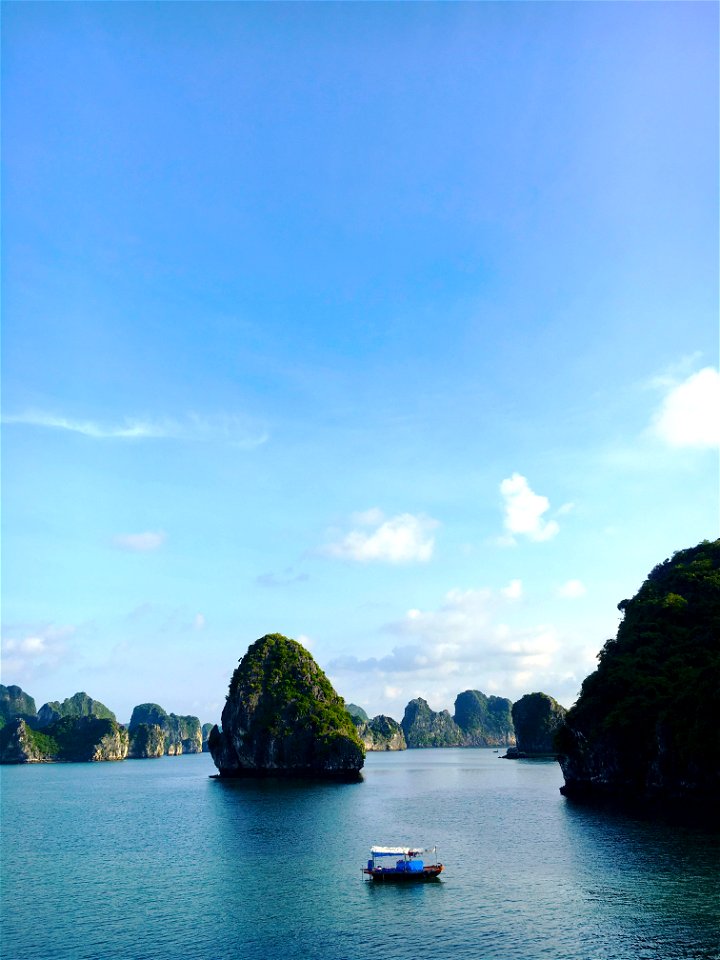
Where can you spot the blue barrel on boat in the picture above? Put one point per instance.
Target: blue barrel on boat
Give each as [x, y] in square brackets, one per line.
[415, 866]
[401, 866]
[370, 864]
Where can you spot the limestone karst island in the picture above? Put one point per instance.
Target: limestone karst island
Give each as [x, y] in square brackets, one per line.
[643, 725]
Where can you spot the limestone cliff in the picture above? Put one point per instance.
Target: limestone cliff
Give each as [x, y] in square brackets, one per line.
[79, 705]
[381, 733]
[182, 734]
[205, 731]
[645, 723]
[146, 740]
[282, 716]
[484, 721]
[424, 727]
[19, 743]
[14, 702]
[537, 718]
[76, 739]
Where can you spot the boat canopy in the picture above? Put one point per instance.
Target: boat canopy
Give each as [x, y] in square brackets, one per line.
[403, 851]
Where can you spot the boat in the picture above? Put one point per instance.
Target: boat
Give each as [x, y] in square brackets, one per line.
[409, 864]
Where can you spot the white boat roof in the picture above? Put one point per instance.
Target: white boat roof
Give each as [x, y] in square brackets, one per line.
[392, 851]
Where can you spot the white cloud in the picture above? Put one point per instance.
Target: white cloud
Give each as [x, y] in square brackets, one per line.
[31, 650]
[402, 539]
[199, 621]
[513, 591]
[140, 542]
[232, 429]
[572, 589]
[524, 511]
[690, 413]
[470, 641]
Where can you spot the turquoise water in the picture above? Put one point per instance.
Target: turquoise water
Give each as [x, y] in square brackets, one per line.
[152, 859]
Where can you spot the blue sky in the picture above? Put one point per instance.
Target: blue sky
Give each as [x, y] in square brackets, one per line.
[390, 327]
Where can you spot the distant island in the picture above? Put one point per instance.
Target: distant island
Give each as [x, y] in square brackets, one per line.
[28, 735]
[81, 729]
[645, 724]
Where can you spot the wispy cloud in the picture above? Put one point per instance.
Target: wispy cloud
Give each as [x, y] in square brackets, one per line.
[402, 539]
[572, 589]
[688, 416]
[513, 591]
[33, 649]
[140, 542]
[467, 642]
[524, 511]
[285, 579]
[232, 429]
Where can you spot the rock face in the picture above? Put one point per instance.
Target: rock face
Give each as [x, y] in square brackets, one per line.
[424, 727]
[77, 739]
[356, 712]
[282, 716]
[205, 731]
[645, 723]
[19, 743]
[381, 733]
[14, 702]
[537, 718]
[182, 734]
[479, 721]
[484, 721]
[79, 705]
[146, 740]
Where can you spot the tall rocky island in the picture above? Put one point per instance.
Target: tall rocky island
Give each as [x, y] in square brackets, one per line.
[537, 718]
[645, 724]
[283, 717]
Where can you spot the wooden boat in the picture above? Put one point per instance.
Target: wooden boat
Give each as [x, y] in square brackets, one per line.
[408, 864]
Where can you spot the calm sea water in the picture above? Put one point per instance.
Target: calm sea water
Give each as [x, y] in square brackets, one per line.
[152, 859]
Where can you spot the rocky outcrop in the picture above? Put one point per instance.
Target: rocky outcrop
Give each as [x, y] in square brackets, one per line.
[484, 721]
[146, 740]
[381, 733]
[14, 702]
[19, 743]
[76, 739]
[357, 713]
[79, 705]
[282, 716]
[182, 734]
[537, 718]
[645, 724]
[205, 731]
[424, 727]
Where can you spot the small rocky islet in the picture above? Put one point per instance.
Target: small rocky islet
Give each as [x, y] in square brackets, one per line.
[283, 717]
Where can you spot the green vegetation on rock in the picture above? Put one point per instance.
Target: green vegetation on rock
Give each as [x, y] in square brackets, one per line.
[146, 740]
[381, 733]
[182, 734]
[537, 718]
[646, 719]
[283, 715]
[484, 721]
[14, 702]
[356, 712]
[76, 739]
[79, 705]
[424, 727]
